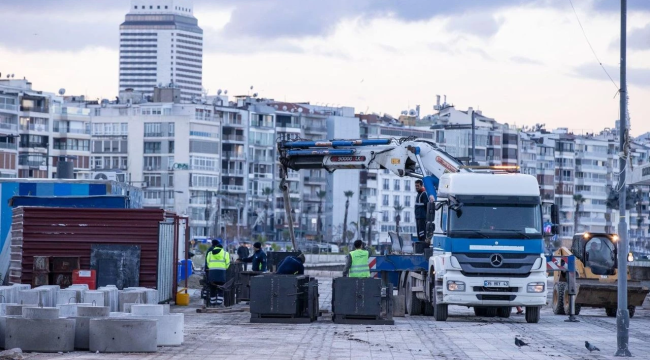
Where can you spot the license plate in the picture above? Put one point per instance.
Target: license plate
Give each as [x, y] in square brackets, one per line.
[491, 283]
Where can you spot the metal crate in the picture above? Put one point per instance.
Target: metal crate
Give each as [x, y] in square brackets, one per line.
[284, 298]
[361, 301]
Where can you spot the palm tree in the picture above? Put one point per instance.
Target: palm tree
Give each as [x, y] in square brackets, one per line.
[319, 226]
[578, 200]
[371, 209]
[348, 195]
[398, 210]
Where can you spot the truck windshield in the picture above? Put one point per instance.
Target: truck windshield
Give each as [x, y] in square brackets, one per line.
[488, 220]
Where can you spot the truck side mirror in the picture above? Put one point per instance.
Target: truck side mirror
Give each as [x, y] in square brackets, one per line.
[431, 217]
[555, 219]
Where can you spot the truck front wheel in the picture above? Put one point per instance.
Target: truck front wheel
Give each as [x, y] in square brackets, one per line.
[533, 314]
[440, 311]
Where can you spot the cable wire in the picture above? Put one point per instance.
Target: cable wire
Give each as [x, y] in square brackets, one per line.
[591, 47]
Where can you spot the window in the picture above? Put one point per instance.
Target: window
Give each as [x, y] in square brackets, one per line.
[204, 163]
[396, 185]
[407, 201]
[385, 200]
[170, 180]
[384, 215]
[152, 147]
[125, 128]
[152, 129]
[396, 200]
[407, 216]
[153, 180]
[171, 147]
[386, 186]
[407, 185]
[152, 163]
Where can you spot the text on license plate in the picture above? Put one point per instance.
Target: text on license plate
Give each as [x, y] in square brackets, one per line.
[490, 283]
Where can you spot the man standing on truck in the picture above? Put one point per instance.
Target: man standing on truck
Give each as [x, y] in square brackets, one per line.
[421, 201]
[356, 263]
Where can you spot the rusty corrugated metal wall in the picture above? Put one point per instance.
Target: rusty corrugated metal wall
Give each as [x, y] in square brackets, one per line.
[38, 231]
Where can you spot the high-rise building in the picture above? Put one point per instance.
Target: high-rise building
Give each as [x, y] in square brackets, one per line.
[161, 44]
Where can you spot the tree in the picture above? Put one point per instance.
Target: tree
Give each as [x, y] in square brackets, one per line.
[319, 226]
[371, 209]
[348, 195]
[398, 210]
[352, 234]
[578, 200]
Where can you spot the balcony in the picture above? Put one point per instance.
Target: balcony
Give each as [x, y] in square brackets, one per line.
[263, 159]
[232, 172]
[315, 179]
[311, 197]
[10, 127]
[238, 138]
[64, 130]
[315, 129]
[9, 107]
[39, 109]
[234, 155]
[232, 122]
[288, 125]
[232, 188]
[32, 163]
[8, 145]
[33, 145]
[153, 134]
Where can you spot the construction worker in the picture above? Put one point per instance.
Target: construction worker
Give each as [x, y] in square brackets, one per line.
[258, 258]
[356, 263]
[217, 262]
[421, 201]
[292, 265]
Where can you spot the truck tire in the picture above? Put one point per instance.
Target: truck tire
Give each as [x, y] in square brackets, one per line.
[440, 311]
[490, 312]
[504, 312]
[427, 307]
[558, 298]
[631, 310]
[412, 303]
[479, 310]
[610, 311]
[578, 307]
[533, 314]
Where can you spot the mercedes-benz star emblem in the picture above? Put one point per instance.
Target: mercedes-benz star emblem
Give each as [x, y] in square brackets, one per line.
[496, 260]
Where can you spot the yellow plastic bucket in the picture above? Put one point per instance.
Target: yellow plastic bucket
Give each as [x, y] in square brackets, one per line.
[182, 298]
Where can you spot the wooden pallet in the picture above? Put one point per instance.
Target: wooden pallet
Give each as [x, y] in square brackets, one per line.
[217, 310]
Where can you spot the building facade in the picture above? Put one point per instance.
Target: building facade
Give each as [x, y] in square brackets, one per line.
[161, 44]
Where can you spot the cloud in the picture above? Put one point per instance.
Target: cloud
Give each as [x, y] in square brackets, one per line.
[639, 39]
[480, 52]
[525, 61]
[477, 24]
[635, 76]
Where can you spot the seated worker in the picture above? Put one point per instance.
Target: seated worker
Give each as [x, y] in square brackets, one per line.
[292, 265]
[356, 263]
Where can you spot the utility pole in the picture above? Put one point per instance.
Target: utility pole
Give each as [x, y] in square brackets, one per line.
[622, 315]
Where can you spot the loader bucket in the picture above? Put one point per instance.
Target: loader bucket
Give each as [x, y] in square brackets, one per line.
[594, 294]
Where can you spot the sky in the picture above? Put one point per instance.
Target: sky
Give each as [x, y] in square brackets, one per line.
[521, 62]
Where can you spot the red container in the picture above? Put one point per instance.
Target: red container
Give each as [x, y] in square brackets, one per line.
[85, 277]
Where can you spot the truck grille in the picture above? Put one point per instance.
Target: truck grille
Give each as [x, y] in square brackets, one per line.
[485, 289]
[511, 265]
[497, 297]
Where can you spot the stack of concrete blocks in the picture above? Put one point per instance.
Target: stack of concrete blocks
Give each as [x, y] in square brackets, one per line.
[82, 326]
[95, 297]
[130, 297]
[170, 326]
[49, 294]
[29, 297]
[70, 310]
[39, 330]
[122, 334]
[69, 296]
[9, 294]
[150, 297]
[112, 296]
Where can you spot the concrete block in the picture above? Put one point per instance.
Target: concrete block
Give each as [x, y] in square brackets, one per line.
[147, 310]
[94, 297]
[6, 294]
[170, 329]
[30, 297]
[15, 289]
[40, 335]
[82, 325]
[49, 294]
[93, 311]
[112, 297]
[3, 308]
[80, 287]
[70, 310]
[166, 309]
[130, 297]
[117, 314]
[68, 296]
[116, 335]
[37, 313]
[150, 295]
[15, 310]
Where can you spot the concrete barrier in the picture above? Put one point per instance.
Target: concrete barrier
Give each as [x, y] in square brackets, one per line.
[117, 335]
[82, 324]
[70, 310]
[15, 310]
[147, 310]
[41, 313]
[130, 297]
[39, 335]
[95, 297]
[93, 311]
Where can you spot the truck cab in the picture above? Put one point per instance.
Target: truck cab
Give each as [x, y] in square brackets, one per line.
[488, 247]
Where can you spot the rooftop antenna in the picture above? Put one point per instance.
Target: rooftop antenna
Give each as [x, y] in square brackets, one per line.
[219, 92]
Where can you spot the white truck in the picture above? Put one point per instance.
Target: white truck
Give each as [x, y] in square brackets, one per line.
[484, 226]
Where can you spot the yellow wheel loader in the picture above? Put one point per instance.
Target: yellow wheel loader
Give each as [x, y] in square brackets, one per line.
[596, 276]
